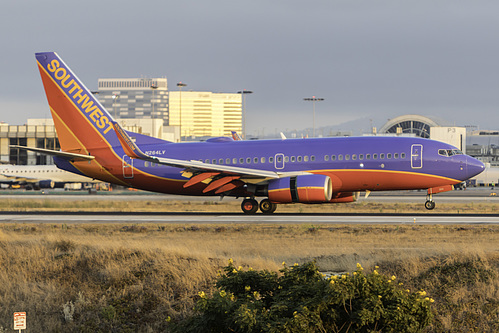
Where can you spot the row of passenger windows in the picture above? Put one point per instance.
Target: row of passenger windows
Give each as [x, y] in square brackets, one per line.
[299, 159]
[354, 157]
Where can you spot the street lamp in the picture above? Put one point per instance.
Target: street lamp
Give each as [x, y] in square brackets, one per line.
[115, 98]
[180, 85]
[313, 100]
[243, 94]
[153, 87]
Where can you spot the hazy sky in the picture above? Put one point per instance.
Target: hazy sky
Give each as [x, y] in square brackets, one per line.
[368, 59]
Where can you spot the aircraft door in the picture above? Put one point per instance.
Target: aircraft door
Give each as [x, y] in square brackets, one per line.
[127, 163]
[279, 161]
[417, 156]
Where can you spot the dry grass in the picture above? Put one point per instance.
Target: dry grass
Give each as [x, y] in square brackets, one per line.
[233, 206]
[119, 277]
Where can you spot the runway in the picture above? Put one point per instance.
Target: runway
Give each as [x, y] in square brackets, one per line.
[226, 218]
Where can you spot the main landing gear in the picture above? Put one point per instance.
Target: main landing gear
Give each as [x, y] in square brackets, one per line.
[250, 206]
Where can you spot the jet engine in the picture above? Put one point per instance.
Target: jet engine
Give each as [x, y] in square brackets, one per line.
[304, 189]
[342, 197]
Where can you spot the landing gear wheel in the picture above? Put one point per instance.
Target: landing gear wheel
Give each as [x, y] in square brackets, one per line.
[267, 206]
[429, 204]
[249, 206]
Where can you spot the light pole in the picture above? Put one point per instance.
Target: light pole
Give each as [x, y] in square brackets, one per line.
[180, 85]
[115, 98]
[153, 87]
[243, 94]
[313, 100]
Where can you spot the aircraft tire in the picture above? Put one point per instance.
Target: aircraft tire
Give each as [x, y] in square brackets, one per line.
[267, 206]
[429, 204]
[249, 206]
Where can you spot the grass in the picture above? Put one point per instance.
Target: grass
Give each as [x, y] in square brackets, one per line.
[131, 278]
[233, 206]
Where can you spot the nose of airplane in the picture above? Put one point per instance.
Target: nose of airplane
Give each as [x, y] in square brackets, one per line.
[474, 166]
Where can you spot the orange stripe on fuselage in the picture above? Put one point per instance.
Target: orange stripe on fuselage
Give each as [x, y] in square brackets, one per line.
[382, 180]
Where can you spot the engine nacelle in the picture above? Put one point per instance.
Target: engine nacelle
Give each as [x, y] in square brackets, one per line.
[342, 197]
[46, 183]
[304, 189]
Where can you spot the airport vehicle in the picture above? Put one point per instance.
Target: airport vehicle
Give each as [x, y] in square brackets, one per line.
[39, 176]
[314, 170]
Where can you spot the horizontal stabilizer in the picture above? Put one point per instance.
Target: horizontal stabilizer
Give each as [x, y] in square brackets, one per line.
[62, 154]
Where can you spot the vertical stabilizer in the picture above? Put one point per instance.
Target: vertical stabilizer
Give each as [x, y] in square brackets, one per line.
[82, 123]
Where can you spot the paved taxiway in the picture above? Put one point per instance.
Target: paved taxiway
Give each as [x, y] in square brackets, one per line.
[217, 218]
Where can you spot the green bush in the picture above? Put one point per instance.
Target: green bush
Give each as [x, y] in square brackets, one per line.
[301, 299]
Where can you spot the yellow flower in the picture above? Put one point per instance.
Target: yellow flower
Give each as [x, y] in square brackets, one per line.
[234, 270]
[247, 288]
[250, 269]
[427, 299]
[202, 294]
[231, 261]
[379, 296]
[223, 293]
[393, 277]
[331, 281]
[359, 267]
[284, 263]
[240, 268]
[375, 272]
[232, 298]
[354, 273]
[422, 293]
[432, 300]
[168, 319]
[295, 264]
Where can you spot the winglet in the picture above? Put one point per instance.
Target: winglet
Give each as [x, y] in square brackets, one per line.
[130, 148]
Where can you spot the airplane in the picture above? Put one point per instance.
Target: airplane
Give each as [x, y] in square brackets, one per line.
[38, 176]
[311, 170]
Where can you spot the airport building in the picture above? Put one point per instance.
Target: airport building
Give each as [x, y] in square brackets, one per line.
[195, 113]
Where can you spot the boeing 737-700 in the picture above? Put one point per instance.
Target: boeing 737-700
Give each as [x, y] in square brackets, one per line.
[312, 170]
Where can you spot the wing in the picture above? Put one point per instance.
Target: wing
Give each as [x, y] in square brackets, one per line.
[221, 178]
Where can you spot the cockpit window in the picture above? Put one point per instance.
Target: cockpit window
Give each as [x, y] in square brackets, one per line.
[449, 152]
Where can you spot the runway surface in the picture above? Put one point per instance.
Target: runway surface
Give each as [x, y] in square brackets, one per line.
[218, 218]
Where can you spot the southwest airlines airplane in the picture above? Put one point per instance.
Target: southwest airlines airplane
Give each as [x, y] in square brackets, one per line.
[318, 170]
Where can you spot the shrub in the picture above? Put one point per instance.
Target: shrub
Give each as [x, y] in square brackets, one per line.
[301, 299]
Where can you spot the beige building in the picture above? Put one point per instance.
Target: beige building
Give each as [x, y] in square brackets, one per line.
[203, 113]
[37, 133]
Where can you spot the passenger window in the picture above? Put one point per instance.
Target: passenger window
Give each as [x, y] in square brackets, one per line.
[312, 158]
[207, 161]
[305, 158]
[221, 161]
[389, 156]
[354, 157]
[326, 158]
[271, 160]
[333, 157]
[248, 160]
[347, 157]
[396, 155]
[146, 164]
[402, 155]
[361, 156]
[214, 161]
[299, 158]
[227, 161]
[375, 156]
[381, 156]
[286, 159]
[340, 157]
[293, 159]
[368, 156]
[262, 160]
[241, 160]
[234, 161]
[255, 160]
